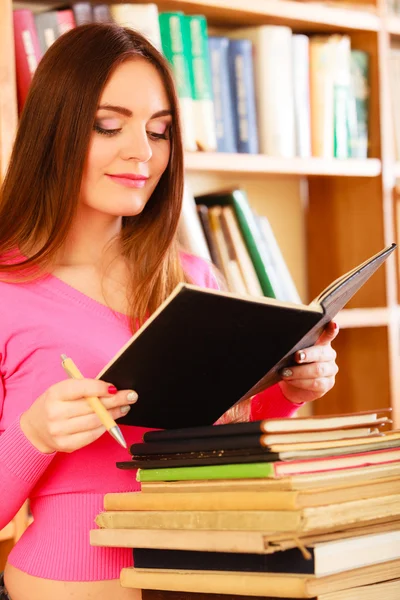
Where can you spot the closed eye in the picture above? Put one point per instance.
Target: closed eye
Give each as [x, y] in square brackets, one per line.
[158, 136]
[103, 131]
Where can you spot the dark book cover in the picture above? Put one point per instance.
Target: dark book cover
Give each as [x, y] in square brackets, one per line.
[198, 459]
[208, 443]
[288, 561]
[204, 350]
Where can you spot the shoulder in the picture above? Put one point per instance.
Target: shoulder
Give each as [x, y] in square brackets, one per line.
[201, 272]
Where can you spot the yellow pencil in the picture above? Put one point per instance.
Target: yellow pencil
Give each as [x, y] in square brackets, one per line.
[95, 403]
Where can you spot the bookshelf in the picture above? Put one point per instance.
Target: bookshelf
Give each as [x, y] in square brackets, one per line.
[329, 215]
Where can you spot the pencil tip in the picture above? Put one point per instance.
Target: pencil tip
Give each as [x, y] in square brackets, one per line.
[63, 357]
[117, 435]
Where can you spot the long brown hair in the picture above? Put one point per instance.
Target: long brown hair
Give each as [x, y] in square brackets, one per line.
[41, 190]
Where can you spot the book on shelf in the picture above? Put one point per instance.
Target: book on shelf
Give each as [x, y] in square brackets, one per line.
[359, 104]
[83, 12]
[48, 29]
[195, 327]
[27, 52]
[273, 72]
[191, 235]
[240, 56]
[175, 48]
[140, 17]
[222, 93]
[196, 39]
[301, 94]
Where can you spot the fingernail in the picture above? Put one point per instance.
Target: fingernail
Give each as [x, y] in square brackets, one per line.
[287, 372]
[335, 325]
[125, 409]
[132, 397]
[112, 389]
[301, 356]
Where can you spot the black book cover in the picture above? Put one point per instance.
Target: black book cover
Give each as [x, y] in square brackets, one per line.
[288, 561]
[231, 442]
[204, 350]
[194, 459]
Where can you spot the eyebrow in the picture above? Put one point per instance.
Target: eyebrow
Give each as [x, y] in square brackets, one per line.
[128, 113]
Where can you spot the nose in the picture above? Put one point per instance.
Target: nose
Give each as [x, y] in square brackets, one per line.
[137, 146]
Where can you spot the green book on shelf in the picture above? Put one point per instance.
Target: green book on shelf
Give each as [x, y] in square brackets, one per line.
[251, 234]
[359, 101]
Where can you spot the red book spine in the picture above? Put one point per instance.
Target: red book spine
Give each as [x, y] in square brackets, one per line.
[66, 20]
[27, 51]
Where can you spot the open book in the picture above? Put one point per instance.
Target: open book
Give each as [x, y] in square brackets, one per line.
[204, 350]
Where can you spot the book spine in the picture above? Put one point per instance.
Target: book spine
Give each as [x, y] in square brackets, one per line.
[210, 582]
[359, 71]
[82, 13]
[102, 13]
[202, 211]
[253, 241]
[66, 20]
[222, 92]
[246, 266]
[221, 520]
[27, 52]
[190, 230]
[301, 94]
[47, 29]
[341, 94]
[141, 17]
[174, 48]
[321, 97]
[196, 39]
[241, 471]
[243, 92]
[274, 500]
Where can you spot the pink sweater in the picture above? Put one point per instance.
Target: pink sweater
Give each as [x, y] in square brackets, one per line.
[39, 321]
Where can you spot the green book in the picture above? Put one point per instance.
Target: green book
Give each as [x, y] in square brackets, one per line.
[252, 236]
[175, 50]
[196, 43]
[359, 104]
[236, 471]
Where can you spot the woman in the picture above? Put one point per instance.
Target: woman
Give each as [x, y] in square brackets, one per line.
[88, 216]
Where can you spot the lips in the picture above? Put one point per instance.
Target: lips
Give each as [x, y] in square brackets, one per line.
[128, 179]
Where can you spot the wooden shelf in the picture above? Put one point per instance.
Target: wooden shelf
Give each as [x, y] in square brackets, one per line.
[218, 162]
[8, 532]
[308, 16]
[363, 317]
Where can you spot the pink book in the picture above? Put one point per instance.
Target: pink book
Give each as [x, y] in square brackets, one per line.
[66, 20]
[27, 52]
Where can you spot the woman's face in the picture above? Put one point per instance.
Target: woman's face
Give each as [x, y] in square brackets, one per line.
[130, 145]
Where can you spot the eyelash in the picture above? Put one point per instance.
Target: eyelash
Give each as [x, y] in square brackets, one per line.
[110, 132]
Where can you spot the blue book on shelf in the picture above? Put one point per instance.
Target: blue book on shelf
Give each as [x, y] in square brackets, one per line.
[242, 81]
[222, 92]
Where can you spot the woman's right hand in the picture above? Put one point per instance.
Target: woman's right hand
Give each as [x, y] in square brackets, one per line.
[61, 420]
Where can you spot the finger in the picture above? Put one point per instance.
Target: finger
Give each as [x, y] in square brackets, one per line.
[69, 443]
[83, 423]
[320, 385]
[329, 333]
[316, 354]
[312, 371]
[76, 408]
[75, 389]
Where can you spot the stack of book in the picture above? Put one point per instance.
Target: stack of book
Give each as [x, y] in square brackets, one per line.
[290, 508]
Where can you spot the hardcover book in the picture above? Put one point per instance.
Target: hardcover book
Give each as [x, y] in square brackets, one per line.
[204, 350]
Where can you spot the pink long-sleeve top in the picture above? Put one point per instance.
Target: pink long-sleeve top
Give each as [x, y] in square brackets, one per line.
[39, 321]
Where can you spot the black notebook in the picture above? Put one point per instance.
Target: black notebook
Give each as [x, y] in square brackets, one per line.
[204, 350]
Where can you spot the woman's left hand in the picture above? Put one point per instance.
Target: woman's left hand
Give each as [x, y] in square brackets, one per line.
[316, 372]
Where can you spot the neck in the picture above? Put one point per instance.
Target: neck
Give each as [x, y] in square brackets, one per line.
[92, 240]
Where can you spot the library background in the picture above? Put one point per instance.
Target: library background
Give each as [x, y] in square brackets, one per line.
[291, 116]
